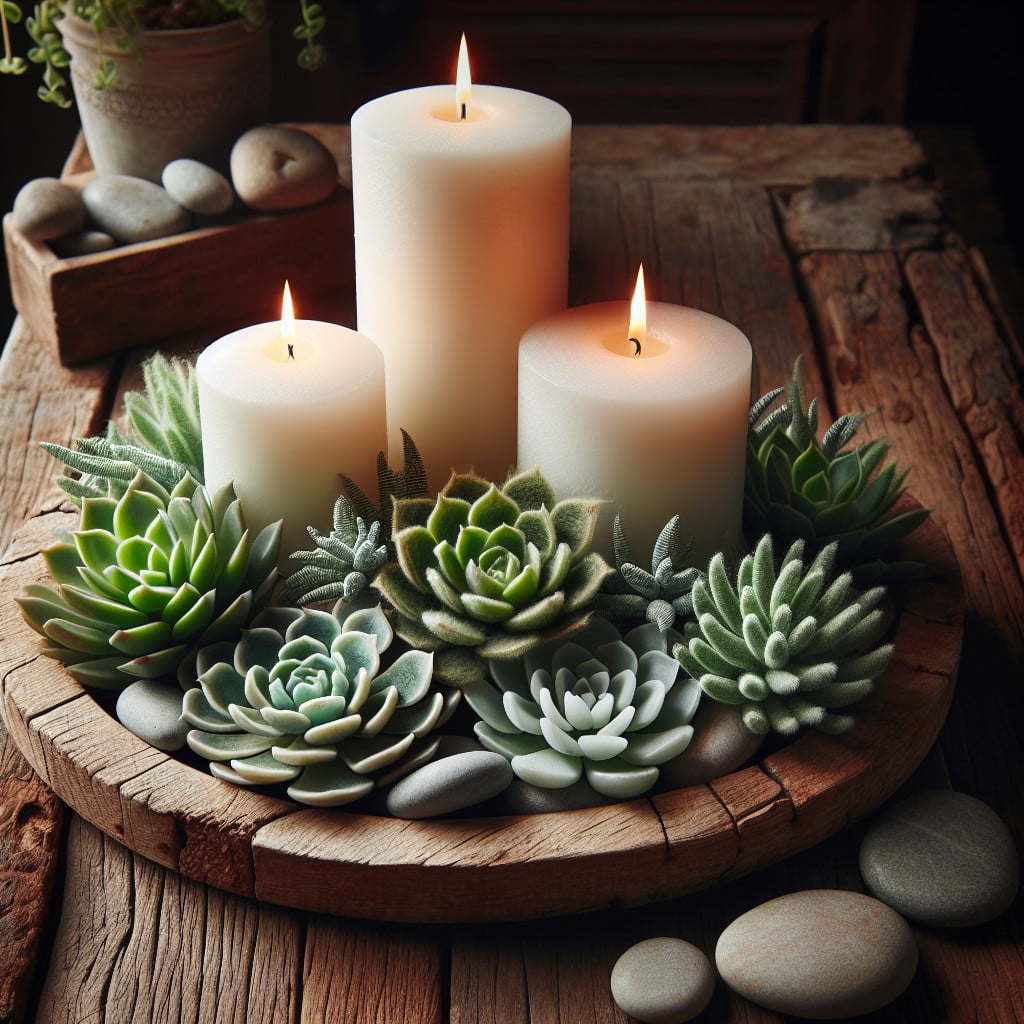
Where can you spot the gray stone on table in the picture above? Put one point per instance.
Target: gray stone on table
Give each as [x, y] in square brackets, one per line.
[662, 981]
[198, 187]
[133, 209]
[151, 709]
[720, 744]
[450, 784]
[46, 208]
[522, 798]
[941, 858]
[822, 953]
[276, 168]
[82, 243]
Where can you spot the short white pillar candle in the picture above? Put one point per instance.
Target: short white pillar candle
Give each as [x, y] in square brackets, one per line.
[283, 416]
[656, 434]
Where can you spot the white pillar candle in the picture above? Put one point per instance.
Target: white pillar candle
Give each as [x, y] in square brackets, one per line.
[461, 242]
[283, 427]
[656, 434]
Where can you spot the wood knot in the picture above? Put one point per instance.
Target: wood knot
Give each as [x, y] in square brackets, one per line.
[901, 412]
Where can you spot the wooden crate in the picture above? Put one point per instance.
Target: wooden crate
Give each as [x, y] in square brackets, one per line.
[230, 274]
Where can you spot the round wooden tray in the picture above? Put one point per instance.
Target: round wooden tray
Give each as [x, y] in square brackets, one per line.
[479, 869]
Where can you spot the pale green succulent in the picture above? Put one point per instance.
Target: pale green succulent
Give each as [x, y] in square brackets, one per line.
[632, 594]
[485, 572]
[345, 563]
[797, 487]
[161, 437]
[147, 579]
[305, 698]
[599, 705]
[788, 646]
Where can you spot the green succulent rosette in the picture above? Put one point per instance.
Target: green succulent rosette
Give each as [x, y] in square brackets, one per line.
[488, 572]
[305, 698]
[824, 492]
[600, 705]
[147, 579]
[789, 646]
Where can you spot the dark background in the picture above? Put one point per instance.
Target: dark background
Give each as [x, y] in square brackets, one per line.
[950, 70]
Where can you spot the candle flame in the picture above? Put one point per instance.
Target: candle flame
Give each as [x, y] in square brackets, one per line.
[287, 316]
[638, 314]
[463, 82]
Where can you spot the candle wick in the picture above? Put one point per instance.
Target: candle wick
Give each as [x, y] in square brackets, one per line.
[636, 341]
[462, 114]
[291, 351]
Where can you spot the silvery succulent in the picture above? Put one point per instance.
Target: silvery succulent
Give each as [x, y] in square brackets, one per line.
[489, 572]
[788, 646]
[632, 594]
[161, 437]
[306, 698]
[147, 579]
[599, 705]
[797, 487]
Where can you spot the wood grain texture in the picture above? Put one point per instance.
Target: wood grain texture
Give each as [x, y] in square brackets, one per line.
[878, 358]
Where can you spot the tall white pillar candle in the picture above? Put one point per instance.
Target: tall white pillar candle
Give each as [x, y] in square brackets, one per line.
[461, 242]
[284, 426]
[655, 434]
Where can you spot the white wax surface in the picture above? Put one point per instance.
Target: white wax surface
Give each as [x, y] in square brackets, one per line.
[656, 435]
[283, 430]
[461, 237]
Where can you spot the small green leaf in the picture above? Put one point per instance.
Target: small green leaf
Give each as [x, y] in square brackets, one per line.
[492, 510]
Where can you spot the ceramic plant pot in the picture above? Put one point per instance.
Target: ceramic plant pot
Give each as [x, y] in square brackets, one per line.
[192, 93]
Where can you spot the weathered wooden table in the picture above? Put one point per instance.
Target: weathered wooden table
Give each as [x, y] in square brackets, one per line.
[823, 240]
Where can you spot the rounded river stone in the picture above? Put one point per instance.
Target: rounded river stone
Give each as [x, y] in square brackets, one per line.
[46, 208]
[450, 784]
[941, 858]
[663, 981]
[82, 243]
[822, 953]
[274, 168]
[721, 743]
[197, 187]
[522, 798]
[133, 209]
[152, 710]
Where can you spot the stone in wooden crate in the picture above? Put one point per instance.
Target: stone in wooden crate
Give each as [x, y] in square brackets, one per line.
[305, 698]
[599, 705]
[787, 646]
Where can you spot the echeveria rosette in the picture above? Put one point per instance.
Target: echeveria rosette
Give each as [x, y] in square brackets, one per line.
[823, 492]
[488, 572]
[599, 705]
[305, 698]
[147, 579]
[788, 646]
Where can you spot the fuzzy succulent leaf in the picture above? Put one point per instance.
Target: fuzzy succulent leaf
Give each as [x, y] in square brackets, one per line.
[149, 579]
[660, 595]
[788, 645]
[798, 487]
[327, 705]
[598, 705]
[160, 436]
[477, 570]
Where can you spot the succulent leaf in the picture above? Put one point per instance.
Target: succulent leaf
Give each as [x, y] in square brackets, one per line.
[317, 703]
[142, 593]
[801, 649]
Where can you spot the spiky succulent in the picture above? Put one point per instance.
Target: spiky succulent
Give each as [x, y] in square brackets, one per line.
[632, 594]
[303, 698]
[789, 646]
[161, 436]
[600, 705]
[797, 487]
[147, 579]
[488, 572]
[344, 563]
